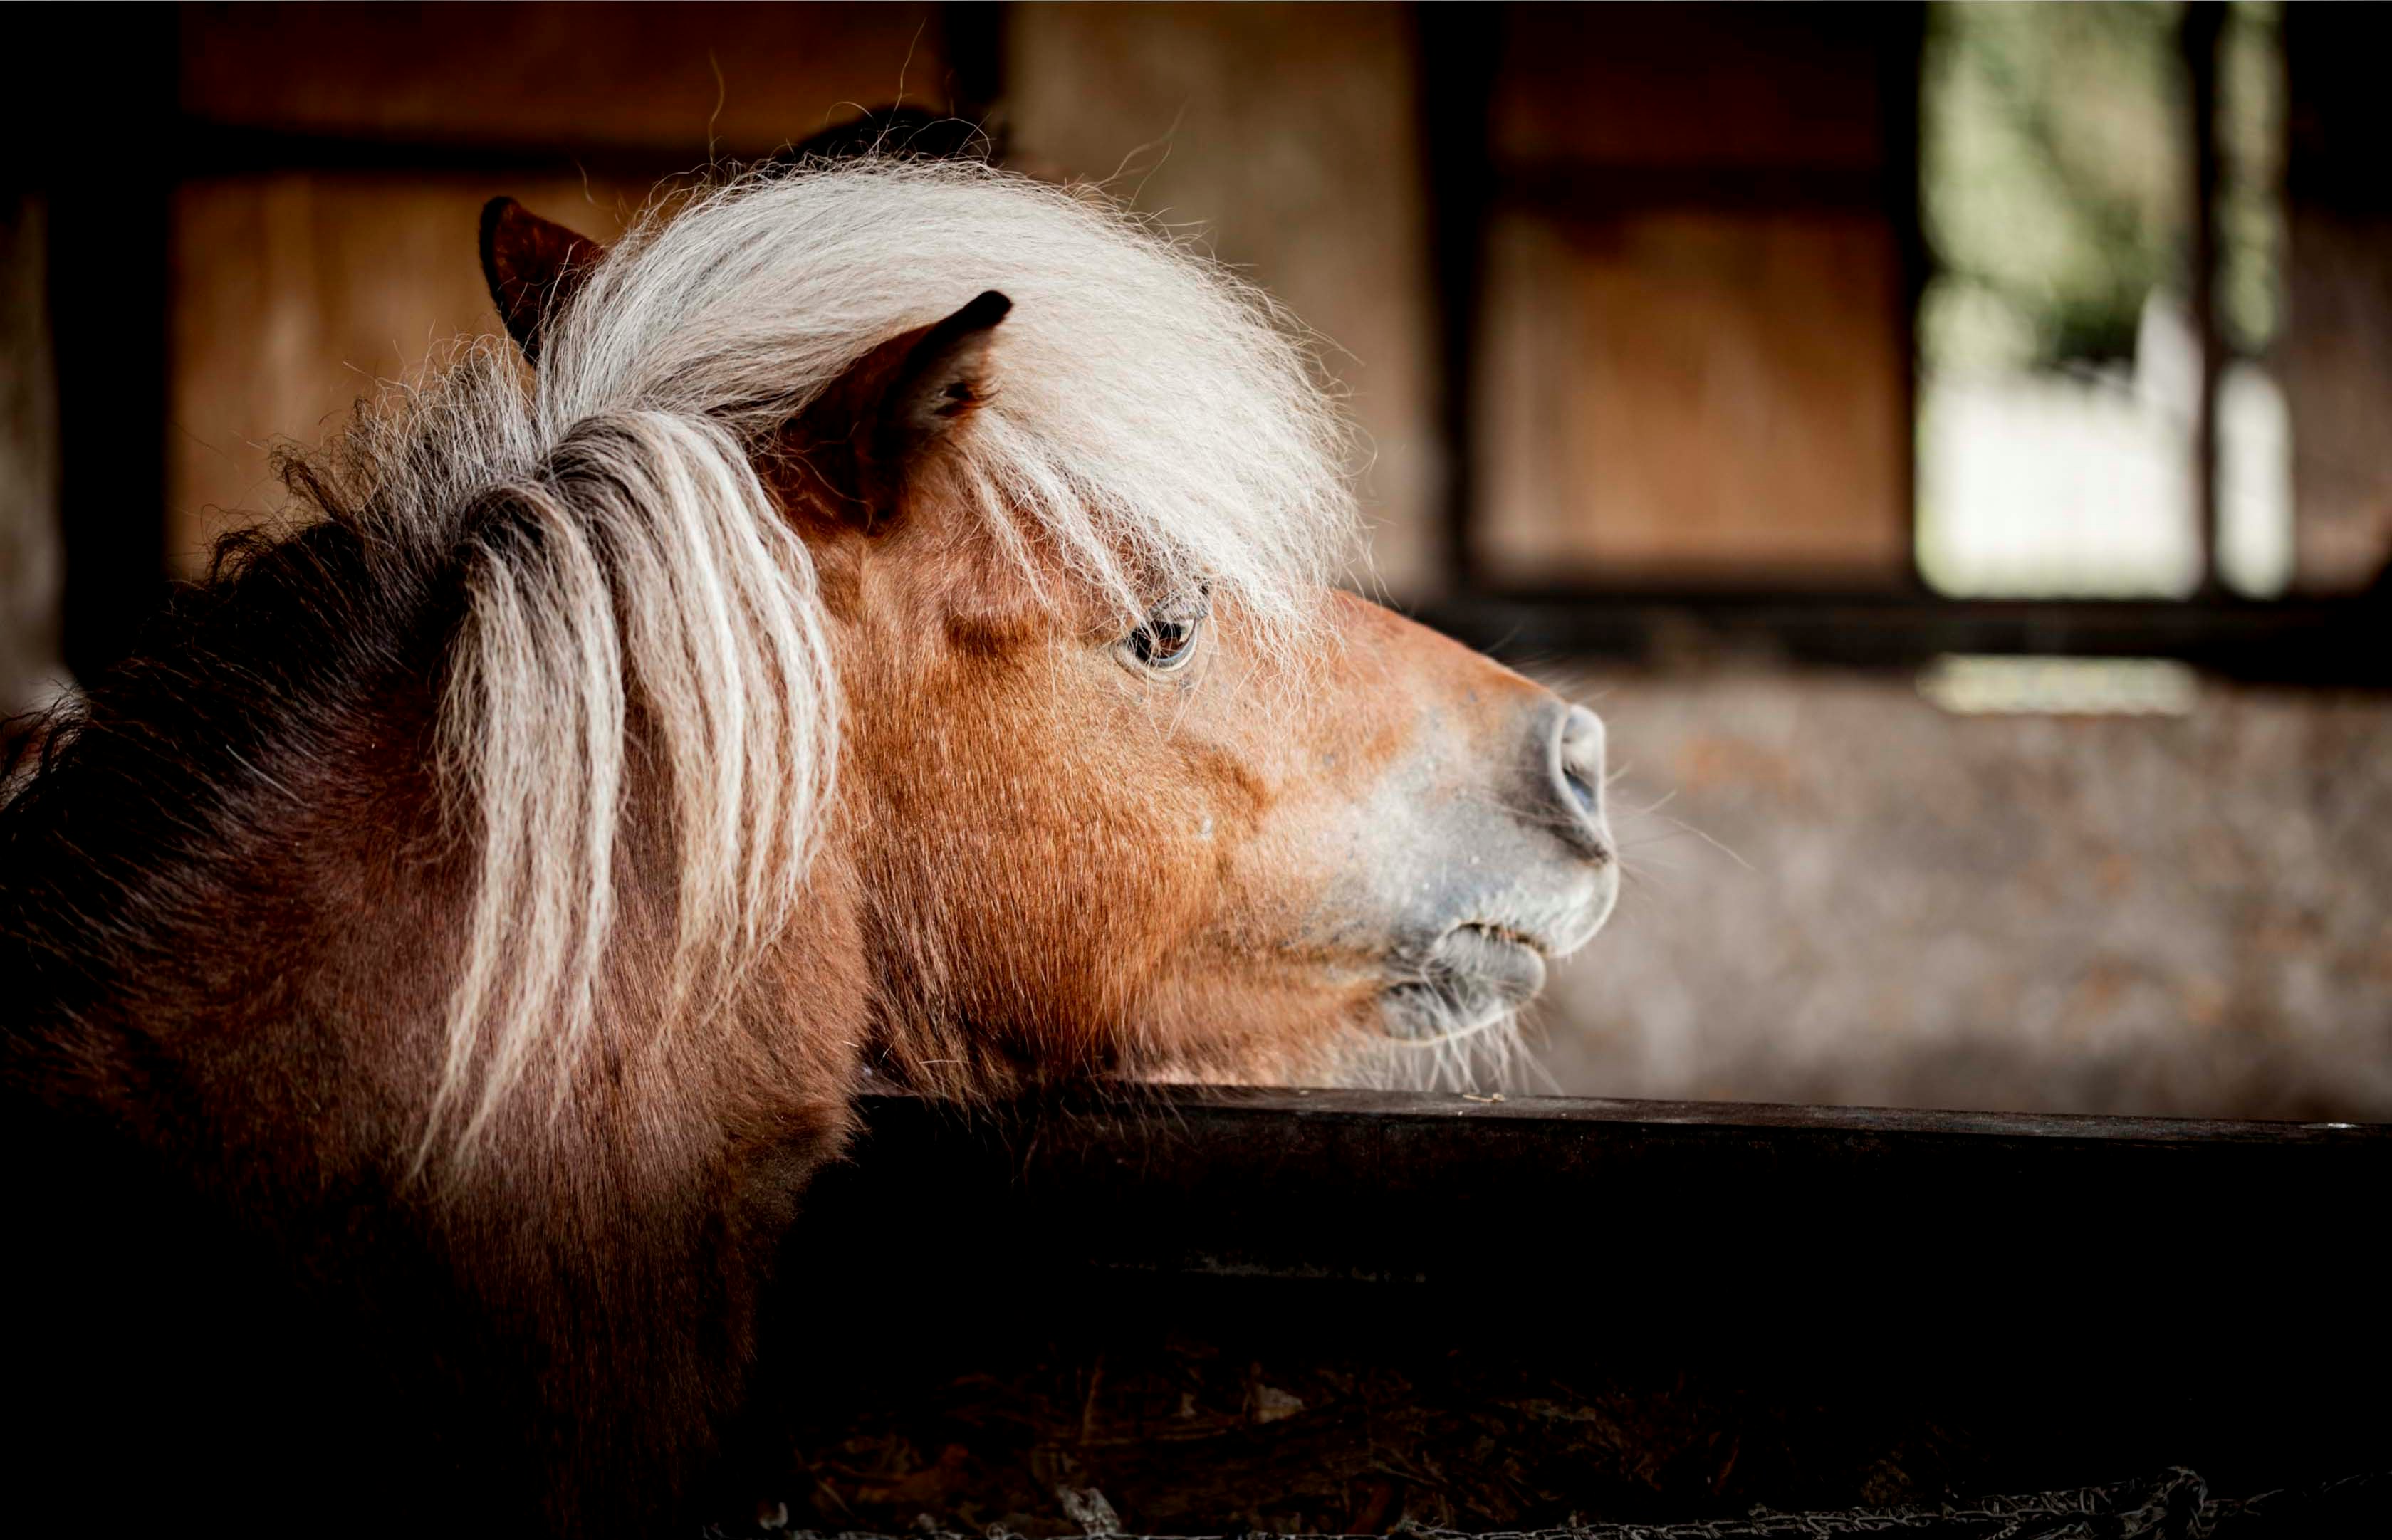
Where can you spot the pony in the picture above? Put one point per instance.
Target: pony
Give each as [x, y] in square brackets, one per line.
[873, 625]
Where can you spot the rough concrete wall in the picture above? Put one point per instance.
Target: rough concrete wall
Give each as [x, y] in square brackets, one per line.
[31, 568]
[2170, 915]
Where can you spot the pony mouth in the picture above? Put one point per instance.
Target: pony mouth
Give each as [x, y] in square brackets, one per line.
[1475, 976]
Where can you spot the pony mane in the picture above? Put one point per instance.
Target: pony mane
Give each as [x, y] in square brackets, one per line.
[1158, 423]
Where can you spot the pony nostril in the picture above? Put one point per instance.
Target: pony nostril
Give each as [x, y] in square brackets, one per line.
[1581, 756]
[1577, 770]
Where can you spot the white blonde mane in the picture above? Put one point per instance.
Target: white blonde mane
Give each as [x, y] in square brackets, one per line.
[1155, 422]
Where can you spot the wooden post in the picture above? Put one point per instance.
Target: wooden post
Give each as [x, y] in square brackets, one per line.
[2205, 24]
[1458, 55]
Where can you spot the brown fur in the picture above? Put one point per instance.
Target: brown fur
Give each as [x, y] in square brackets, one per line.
[232, 906]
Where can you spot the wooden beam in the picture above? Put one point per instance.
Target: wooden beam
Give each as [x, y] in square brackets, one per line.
[2335, 642]
[1334, 1311]
[1382, 1187]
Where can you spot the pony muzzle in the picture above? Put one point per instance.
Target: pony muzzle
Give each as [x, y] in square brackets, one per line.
[1476, 977]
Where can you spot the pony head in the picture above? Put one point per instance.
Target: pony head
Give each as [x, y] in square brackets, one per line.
[1039, 514]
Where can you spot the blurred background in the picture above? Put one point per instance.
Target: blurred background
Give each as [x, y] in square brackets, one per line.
[1947, 442]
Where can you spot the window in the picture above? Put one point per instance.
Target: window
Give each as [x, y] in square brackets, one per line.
[2071, 440]
[1888, 332]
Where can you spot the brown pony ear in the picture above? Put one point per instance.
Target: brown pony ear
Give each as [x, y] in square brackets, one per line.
[533, 267]
[860, 437]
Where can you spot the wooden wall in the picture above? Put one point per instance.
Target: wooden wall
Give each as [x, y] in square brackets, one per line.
[663, 79]
[1291, 136]
[1688, 350]
[2337, 352]
[297, 293]
[1685, 396]
[1694, 360]
[1287, 134]
[1678, 352]
[334, 249]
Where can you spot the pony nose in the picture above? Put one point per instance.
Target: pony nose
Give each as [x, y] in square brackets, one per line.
[1574, 764]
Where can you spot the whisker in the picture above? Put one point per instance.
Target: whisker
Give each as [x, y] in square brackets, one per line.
[1666, 797]
[1684, 827]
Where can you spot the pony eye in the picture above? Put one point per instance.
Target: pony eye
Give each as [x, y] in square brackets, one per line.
[1167, 640]
[1163, 643]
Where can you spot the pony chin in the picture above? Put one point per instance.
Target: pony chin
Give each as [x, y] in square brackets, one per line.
[1483, 1053]
[1419, 1016]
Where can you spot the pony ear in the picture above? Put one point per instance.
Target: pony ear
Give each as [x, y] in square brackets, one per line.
[533, 267]
[946, 374]
[862, 436]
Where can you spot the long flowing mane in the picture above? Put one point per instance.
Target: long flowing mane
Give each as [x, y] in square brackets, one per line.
[623, 584]
[441, 958]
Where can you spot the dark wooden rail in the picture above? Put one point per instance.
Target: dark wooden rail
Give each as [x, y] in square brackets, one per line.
[1672, 1209]
[1335, 1310]
[2337, 642]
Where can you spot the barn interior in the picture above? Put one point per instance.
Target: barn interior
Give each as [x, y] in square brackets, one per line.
[1945, 442]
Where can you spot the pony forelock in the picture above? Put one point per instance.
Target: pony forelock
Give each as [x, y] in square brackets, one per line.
[1156, 424]
[1157, 420]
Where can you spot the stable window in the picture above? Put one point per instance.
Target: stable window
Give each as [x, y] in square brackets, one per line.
[2102, 198]
[1883, 333]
